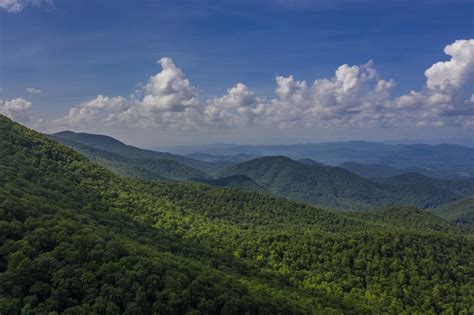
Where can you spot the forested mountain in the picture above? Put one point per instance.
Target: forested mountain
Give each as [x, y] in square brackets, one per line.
[460, 212]
[303, 180]
[139, 168]
[418, 219]
[335, 187]
[228, 159]
[113, 145]
[443, 160]
[412, 180]
[77, 239]
[236, 181]
[310, 162]
[380, 171]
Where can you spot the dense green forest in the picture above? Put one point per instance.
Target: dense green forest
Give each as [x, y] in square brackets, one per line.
[335, 187]
[78, 239]
[460, 212]
[145, 167]
[303, 180]
[110, 144]
[379, 171]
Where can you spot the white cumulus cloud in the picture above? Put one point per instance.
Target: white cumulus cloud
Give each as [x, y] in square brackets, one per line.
[239, 107]
[355, 96]
[447, 98]
[17, 109]
[94, 112]
[354, 92]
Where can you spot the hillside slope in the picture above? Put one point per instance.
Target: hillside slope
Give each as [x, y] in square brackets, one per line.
[338, 188]
[76, 239]
[139, 168]
[110, 144]
[413, 180]
[443, 160]
[398, 216]
[377, 170]
[460, 212]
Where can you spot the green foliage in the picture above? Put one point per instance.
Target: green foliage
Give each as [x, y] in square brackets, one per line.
[110, 144]
[76, 239]
[140, 168]
[236, 181]
[412, 180]
[335, 187]
[409, 218]
[460, 212]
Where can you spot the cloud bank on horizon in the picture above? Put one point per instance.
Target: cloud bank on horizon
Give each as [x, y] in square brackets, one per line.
[356, 96]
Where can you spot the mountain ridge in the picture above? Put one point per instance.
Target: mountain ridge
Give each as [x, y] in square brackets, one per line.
[73, 229]
[336, 187]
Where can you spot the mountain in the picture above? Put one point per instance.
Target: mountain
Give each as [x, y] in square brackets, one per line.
[421, 182]
[139, 168]
[326, 186]
[237, 181]
[77, 239]
[335, 187]
[460, 212]
[378, 171]
[443, 160]
[110, 144]
[310, 162]
[228, 159]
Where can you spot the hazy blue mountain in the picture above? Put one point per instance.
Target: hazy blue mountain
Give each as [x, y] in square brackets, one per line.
[115, 146]
[336, 187]
[444, 160]
[383, 171]
[310, 162]
[419, 181]
[229, 159]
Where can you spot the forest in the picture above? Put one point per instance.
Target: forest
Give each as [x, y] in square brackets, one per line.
[76, 238]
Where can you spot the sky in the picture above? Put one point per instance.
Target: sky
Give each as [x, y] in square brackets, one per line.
[163, 73]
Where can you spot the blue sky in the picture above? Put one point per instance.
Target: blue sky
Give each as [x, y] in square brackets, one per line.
[74, 51]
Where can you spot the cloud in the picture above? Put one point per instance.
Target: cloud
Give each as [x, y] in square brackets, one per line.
[15, 6]
[239, 107]
[17, 109]
[354, 93]
[447, 98]
[455, 73]
[94, 112]
[355, 96]
[167, 99]
[33, 91]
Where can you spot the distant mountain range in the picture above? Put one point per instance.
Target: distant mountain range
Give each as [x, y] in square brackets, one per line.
[77, 239]
[354, 186]
[335, 187]
[236, 158]
[443, 160]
